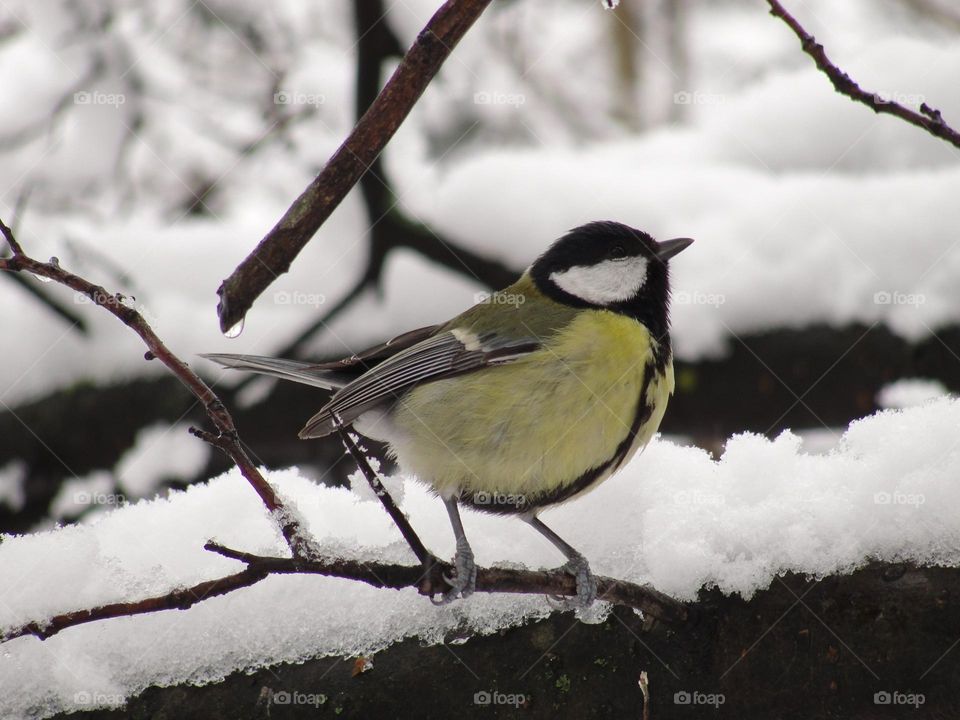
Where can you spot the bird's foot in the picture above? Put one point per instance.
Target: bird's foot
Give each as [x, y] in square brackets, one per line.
[464, 581]
[586, 585]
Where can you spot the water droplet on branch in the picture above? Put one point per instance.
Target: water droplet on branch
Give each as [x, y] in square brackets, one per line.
[235, 330]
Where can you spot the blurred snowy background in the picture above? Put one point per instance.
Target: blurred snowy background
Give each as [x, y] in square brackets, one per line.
[152, 145]
[149, 146]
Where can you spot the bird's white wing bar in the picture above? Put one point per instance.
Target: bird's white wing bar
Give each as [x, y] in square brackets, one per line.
[445, 354]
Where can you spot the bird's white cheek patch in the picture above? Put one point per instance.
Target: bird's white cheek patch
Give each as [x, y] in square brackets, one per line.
[607, 282]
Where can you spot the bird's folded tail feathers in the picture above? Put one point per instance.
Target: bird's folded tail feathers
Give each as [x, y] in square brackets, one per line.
[302, 372]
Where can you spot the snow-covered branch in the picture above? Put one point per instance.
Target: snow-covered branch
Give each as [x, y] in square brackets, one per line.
[377, 574]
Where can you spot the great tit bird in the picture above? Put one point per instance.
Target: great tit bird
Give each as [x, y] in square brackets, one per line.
[526, 400]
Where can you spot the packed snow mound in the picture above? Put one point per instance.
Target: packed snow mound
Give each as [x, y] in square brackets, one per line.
[674, 518]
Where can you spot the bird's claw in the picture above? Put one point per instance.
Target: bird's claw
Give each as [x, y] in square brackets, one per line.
[586, 586]
[463, 583]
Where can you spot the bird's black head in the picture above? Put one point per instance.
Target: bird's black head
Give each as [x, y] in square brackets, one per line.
[612, 266]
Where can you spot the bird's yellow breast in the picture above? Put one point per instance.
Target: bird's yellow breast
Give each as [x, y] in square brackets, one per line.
[539, 423]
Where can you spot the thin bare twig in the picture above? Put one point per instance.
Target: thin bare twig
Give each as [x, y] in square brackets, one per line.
[174, 600]
[406, 529]
[226, 437]
[927, 118]
[380, 575]
[283, 243]
[56, 307]
[75, 321]
[489, 580]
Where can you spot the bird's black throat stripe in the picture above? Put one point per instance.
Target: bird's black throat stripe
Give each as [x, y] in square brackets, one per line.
[662, 353]
[504, 504]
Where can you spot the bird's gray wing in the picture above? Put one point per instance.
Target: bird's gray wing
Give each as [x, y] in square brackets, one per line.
[328, 375]
[447, 353]
[371, 356]
[302, 372]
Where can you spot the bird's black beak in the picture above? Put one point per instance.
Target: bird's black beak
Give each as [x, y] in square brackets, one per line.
[669, 248]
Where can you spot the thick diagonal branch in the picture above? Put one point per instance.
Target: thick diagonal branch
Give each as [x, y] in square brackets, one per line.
[283, 243]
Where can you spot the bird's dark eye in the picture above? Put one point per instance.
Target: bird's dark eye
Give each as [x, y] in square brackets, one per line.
[617, 252]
